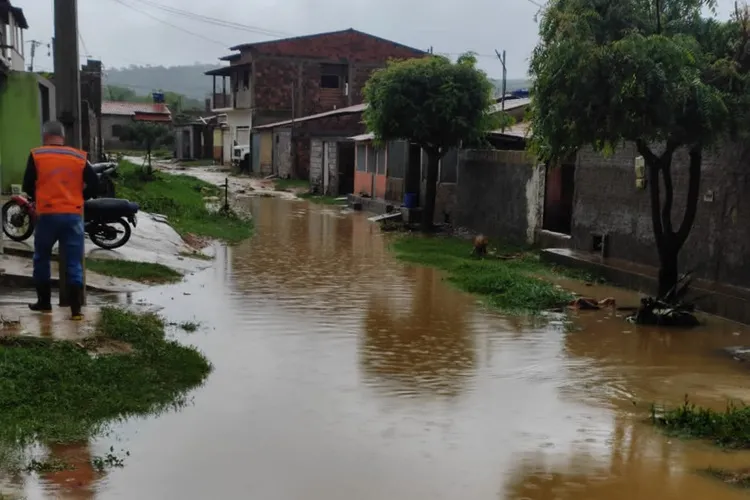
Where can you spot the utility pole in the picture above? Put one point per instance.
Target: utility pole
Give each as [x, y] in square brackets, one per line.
[34, 45]
[68, 101]
[505, 80]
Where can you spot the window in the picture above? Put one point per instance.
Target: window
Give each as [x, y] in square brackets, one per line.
[329, 81]
[117, 130]
[361, 158]
[246, 79]
[381, 161]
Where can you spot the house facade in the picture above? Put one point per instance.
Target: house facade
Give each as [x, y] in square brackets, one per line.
[279, 80]
[117, 115]
[27, 100]
[12, 25]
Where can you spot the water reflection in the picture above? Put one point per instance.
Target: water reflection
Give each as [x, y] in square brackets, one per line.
[77, 481]
[428, 349]
[639, 463]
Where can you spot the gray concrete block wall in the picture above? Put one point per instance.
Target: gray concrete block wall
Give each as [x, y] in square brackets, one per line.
[498, 194]
[316, 165]
[607, 200]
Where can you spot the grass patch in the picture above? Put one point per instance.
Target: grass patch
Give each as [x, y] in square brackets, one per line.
[515, 285]
[181, 199]
[728, 429]
[188, 326]
[289, 184]
[144, 272]
[737, 478]
[56, 391]
[321, 199]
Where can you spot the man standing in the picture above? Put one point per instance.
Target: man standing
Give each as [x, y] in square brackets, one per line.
[56, 176]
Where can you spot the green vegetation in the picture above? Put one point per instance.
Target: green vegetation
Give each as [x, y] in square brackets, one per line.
[664, 77]
[145, 272]
[148, 136]
[321, 199]
[738, 478]
[181, 199]
[290, 184]
[56, 391]
[434, 103]
[728, 429]
[514, 283]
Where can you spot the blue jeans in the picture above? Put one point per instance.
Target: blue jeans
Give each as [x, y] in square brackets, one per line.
[67, 229]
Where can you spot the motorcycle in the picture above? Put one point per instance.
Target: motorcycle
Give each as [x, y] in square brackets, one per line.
[106, 221]
[105, 172]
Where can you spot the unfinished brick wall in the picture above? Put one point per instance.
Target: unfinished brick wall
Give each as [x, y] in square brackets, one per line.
[606, 201]
[288, 70]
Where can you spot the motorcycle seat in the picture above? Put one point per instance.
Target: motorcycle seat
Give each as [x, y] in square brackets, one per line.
[110, 205]
[101, 167]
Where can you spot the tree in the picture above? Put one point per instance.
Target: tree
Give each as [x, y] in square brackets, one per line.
[148, 135]
[651, 72]
[433, 103]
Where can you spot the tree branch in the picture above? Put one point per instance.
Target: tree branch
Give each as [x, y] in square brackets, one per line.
[694, 184]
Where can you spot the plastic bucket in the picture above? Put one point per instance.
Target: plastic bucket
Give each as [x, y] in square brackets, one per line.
[410, 200]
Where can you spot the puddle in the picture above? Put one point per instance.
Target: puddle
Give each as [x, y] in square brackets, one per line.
[341, 373]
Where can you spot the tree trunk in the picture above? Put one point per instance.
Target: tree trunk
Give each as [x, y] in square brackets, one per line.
[428, 208]
[668, 241]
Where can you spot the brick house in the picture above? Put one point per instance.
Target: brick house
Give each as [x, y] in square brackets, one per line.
[269, 82]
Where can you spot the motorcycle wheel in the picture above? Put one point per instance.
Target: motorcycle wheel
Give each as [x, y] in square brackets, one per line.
[13, 220]
[101, 239]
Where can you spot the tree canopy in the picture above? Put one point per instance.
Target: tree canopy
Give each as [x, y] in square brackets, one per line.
[431, 101]
[605, 72]
[653, 72]
[434, 103]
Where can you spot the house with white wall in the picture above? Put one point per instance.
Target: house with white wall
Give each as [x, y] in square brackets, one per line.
[12, 24]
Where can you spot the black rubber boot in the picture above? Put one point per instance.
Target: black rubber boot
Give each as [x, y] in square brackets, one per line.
[75, 297]
[43, 299]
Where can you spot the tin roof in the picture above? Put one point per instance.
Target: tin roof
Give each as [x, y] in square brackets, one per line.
[132, 108]
[357, 108]
[509, 104]
[521, 130]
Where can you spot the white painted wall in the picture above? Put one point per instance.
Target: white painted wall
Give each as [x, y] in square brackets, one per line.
[236, 118]
[14, 35]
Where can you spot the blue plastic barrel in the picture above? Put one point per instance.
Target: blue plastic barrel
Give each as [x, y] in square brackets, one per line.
[410, 200]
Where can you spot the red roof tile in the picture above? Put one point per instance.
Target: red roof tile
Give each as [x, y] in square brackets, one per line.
[131, 108]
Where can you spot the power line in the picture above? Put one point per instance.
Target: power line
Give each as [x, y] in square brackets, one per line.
[215, 20]
[147, 14]
[83, 44]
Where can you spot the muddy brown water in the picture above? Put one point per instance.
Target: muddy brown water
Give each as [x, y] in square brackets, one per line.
[343, 374]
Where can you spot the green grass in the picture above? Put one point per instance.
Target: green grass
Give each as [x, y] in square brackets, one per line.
[515, 285]
[321, 199]
[728, 429]
[56, 391]
[144, 272]
[181, 199]
[289, 184]
[737, 478]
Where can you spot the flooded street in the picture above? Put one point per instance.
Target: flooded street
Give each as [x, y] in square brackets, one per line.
[342, 374]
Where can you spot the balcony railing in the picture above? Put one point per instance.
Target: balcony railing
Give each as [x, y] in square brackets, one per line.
[221, 101]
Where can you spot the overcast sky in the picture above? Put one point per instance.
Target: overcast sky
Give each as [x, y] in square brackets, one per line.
[172, 32]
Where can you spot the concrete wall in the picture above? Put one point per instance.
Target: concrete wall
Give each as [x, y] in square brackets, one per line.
[607, 201]
[20, 125]
[109, 124]
[498, 193]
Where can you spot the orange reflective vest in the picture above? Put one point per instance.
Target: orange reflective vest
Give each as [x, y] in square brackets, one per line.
[59, 179]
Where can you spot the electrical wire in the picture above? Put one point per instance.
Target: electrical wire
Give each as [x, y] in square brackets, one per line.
[167, 23]
[215, 20]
